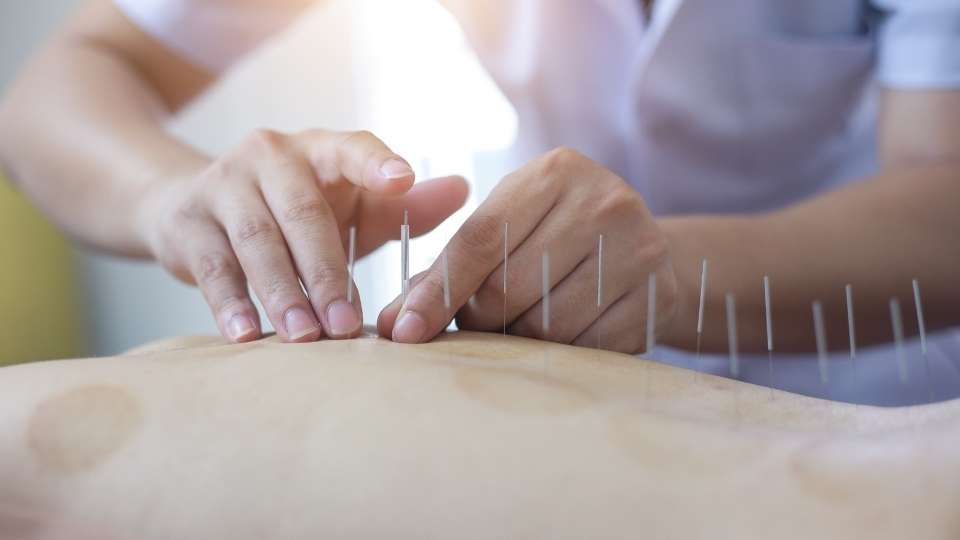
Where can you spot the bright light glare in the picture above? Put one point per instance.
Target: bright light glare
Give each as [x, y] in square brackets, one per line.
[422, 90]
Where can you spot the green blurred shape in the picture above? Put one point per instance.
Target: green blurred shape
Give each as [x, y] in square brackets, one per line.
[40, 315]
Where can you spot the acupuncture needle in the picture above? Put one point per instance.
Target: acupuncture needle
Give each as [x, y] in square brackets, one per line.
[446, 285]
[703, 291]
[405, 255]
[851, 330]
[896, 320]
[351, 261]
[731, 304]
[446, 282]
[599, 286]
[506, 255]
[769, 320]
[651, 312]
[923, 337]
[651, 322]
[545, 264]
[821, 335]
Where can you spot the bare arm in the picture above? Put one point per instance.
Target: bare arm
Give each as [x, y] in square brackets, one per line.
[83, 133]
[877, 235]
[82, 129]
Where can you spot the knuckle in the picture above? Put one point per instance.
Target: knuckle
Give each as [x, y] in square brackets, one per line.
[621, 201]
[265, 141]
[325, 276]
[432, 287]
[190, 210]
[353, 139]
[221, 170]
[179, 215]
[279, 293]
[253, 230]
[364, 135]
[173, 223]
[480, 235]
[652, 247]
[168, 243]
[231, 302]
[213, 266]
[356, 145]
[311, 133]
[560, 159]
[305, 209]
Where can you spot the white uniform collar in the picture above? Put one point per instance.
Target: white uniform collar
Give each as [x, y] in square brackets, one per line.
[632, 20]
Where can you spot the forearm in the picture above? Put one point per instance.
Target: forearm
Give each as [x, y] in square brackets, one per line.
[82, 132]
[876, 235]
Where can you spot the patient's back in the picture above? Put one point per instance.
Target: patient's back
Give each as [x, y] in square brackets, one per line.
[473, 435]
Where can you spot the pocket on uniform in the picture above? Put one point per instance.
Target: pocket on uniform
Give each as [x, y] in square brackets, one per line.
[819, 77]
[804, 93]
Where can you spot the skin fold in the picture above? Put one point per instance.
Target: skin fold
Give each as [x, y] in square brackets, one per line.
[469, 436]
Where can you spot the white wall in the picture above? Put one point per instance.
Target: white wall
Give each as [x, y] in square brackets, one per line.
[23, 24]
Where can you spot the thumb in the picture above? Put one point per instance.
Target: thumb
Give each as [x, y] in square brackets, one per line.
[388, 316]
[428, 204]
[358, 157]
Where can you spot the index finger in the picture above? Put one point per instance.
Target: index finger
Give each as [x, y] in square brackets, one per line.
[310, 228]
[358, 157]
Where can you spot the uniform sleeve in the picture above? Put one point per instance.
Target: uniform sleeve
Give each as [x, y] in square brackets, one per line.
[919, 43]
[212, 33]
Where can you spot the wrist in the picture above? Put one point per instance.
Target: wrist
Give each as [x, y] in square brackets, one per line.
[680, 329]
[156, 199]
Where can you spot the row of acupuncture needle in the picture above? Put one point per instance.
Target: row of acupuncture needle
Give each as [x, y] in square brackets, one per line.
[819, 326]
[820, 335]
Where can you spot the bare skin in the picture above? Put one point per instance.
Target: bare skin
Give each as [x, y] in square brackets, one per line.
[470, 436]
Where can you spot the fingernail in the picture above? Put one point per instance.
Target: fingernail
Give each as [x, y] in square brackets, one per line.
[299, 324]
[241, 327]
[410, 328]
[394, 169]
[342, 318]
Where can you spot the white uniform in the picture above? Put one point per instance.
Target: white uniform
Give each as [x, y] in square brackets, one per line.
[711, 107]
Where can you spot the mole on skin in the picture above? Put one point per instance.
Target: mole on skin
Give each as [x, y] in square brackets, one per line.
[77, 430]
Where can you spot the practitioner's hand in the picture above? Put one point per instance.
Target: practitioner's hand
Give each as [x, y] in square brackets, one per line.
[560, 202]
[275, 212]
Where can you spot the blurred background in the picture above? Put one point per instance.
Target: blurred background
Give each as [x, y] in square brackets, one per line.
[423, 92]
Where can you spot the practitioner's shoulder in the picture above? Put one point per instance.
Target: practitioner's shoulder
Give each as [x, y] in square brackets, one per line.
[212, 33]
